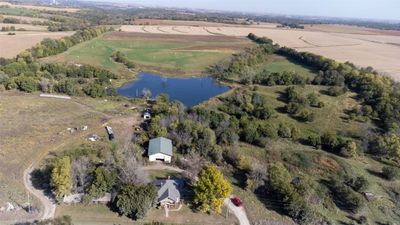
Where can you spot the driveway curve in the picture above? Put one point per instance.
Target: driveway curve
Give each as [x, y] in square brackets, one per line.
[49, 206]
[239, 212]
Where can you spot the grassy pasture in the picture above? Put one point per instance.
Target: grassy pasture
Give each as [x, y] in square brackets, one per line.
[317, 165]
[281, 64]
[168, 54]
[32, 126]
[330, 118]
[19, 11]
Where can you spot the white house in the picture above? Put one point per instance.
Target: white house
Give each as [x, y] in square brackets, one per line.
[160, 149]
[169, 192]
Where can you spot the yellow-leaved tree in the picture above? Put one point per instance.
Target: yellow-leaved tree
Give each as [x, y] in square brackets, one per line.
[61, 177]
[211, 190]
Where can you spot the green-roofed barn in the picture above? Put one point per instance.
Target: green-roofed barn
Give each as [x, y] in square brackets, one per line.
[160, 149]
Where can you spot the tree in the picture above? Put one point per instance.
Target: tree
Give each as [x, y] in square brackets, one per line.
[146, 93]
[135, 200]
[44, 84]
[280, 183]
[211, 190]
[131, 171]
[389, 145]
[349, 149]
[27, 84]
[61, 177]
[104, 180]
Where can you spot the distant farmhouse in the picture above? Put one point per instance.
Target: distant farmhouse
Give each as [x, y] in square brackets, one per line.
[160, 149]
[169, 192]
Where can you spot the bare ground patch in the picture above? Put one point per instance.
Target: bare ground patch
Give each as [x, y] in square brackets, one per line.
[12, 45]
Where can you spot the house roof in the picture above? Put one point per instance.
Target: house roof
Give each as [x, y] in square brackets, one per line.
[169, 189]
[160, 145]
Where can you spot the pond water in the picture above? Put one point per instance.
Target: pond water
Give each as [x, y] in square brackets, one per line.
[189, 91]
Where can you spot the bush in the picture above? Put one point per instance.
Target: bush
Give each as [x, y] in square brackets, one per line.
[390, 173]
[347, 199]
[336, 90]
[358, 184]
[284, 131]
[27, 84]
[306, 115]
[314, 140]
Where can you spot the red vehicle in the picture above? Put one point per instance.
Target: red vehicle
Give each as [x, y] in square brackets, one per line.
[237, 201]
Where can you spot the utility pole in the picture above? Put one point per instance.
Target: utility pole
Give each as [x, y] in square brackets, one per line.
[29, 203]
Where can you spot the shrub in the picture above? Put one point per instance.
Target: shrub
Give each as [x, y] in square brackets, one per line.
[390, 173]
[314, 140]
[27, 84]
[284, 131]
[358, 184]
[347, 199]
[336, 90]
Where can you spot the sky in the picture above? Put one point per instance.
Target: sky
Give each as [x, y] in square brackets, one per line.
[371, 9]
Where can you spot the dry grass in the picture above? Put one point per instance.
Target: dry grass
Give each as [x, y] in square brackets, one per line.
[362, 46]
[26, 18]
[35, 7]
[11, 45]
[99, 214]
[27, 27]
[31, 127]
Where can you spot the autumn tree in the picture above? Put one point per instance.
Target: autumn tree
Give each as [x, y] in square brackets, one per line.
[61, 177]
[211, 189]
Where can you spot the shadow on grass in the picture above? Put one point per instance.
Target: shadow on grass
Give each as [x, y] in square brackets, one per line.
[270, 201]
[375, 173]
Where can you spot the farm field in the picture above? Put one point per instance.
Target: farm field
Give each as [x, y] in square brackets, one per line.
[25, 18]
[26, 27]
[368, 47]
[33, 126]
[11, 45]
[170, 54]
[35, 7]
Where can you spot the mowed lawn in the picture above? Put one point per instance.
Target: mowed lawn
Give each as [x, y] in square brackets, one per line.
[168, 54]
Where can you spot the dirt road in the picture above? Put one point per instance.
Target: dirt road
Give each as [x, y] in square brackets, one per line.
[239, 212]
[49, 206]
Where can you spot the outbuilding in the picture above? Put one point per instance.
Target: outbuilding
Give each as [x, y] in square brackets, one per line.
[160, 149]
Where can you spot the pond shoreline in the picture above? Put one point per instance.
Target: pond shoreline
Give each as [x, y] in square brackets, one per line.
[190, 91]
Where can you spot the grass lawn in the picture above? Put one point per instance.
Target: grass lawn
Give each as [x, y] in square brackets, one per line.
[102, 215]
[164, 174]
[167, 54]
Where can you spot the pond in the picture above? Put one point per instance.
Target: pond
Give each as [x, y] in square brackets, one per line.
[190, 91]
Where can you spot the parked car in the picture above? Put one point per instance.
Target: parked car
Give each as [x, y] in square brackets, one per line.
[237, 201]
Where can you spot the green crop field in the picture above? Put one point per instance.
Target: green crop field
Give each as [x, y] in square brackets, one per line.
[170, 55]
[19, 11]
